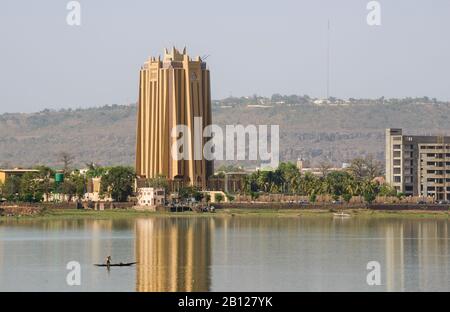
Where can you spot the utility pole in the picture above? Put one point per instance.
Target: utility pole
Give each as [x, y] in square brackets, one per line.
[328, 60]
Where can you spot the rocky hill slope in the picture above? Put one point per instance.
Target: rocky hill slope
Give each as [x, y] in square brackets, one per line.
[335, 132]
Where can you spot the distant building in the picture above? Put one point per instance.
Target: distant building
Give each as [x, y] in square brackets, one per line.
[303, 167]
[214, 198]
[5, 174]
[418, 165]
[229, 182]
[151, 197]
[93, 191]
[173, 91]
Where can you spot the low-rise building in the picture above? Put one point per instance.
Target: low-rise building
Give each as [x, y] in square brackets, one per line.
[93, 191]
[303, 167]
[7, 173]
[215, 195]
[150, 197]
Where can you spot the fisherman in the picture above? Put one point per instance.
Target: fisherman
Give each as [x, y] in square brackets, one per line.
[108, 260]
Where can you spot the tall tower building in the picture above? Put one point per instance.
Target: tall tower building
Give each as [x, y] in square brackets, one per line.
[172, 92]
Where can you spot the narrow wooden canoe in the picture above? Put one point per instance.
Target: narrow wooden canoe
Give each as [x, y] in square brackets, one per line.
[116, 264]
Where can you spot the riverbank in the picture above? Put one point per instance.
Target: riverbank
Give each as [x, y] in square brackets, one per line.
[67, 214]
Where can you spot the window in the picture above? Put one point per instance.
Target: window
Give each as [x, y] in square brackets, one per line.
[397, 162]
[397, 146]
[397, 154]
[397, 170]
[397, 179]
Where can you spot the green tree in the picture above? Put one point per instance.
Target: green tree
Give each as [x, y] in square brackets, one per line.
[74, 184]
[190, 192]
[11, 188]
[366, 168]
[254, 195]
[347, 197]
[46, 176]
[370, 192]
[118, 183]
[229, 197]
[80, 183]
[31, 188]
[68, 189]
[250, 183]
[219, 197]
[336, 183]
[95, 171]
[290, 176]
[159, 181]
[387, 190]
[310, 185]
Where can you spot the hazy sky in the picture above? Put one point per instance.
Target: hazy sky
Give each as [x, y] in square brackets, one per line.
[260, 47]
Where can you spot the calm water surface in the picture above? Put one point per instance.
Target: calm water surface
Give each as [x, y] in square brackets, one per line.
[227, 254]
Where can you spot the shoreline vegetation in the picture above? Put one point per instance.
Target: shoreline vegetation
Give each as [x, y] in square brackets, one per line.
[73, 214]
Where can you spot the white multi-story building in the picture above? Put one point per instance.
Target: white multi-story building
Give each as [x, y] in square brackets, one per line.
[151, 197]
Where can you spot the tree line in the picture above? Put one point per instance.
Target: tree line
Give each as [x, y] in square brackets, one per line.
[357, 180]
[116, 182]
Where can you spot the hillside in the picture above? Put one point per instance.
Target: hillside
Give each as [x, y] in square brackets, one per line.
[336, 131]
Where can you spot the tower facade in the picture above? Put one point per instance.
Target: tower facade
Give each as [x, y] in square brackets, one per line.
[172, 92]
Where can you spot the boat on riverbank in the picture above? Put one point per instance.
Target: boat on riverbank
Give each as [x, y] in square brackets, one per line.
[341, 215]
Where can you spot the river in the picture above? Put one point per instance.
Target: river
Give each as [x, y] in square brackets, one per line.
[227, 253]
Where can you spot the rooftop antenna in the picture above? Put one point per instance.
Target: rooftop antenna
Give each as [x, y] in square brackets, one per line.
[204, 57]
[328, 60]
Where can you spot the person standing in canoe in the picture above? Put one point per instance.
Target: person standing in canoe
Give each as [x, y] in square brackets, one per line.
[108, 260]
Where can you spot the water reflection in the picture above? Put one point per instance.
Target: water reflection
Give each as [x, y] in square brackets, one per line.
[317, 254]
[225, 253]
[173, 254]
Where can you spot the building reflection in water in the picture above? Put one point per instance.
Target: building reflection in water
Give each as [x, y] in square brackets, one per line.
[395, 260]
[100, 248]
[416, 251]
[432, 250]
[173, 254]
